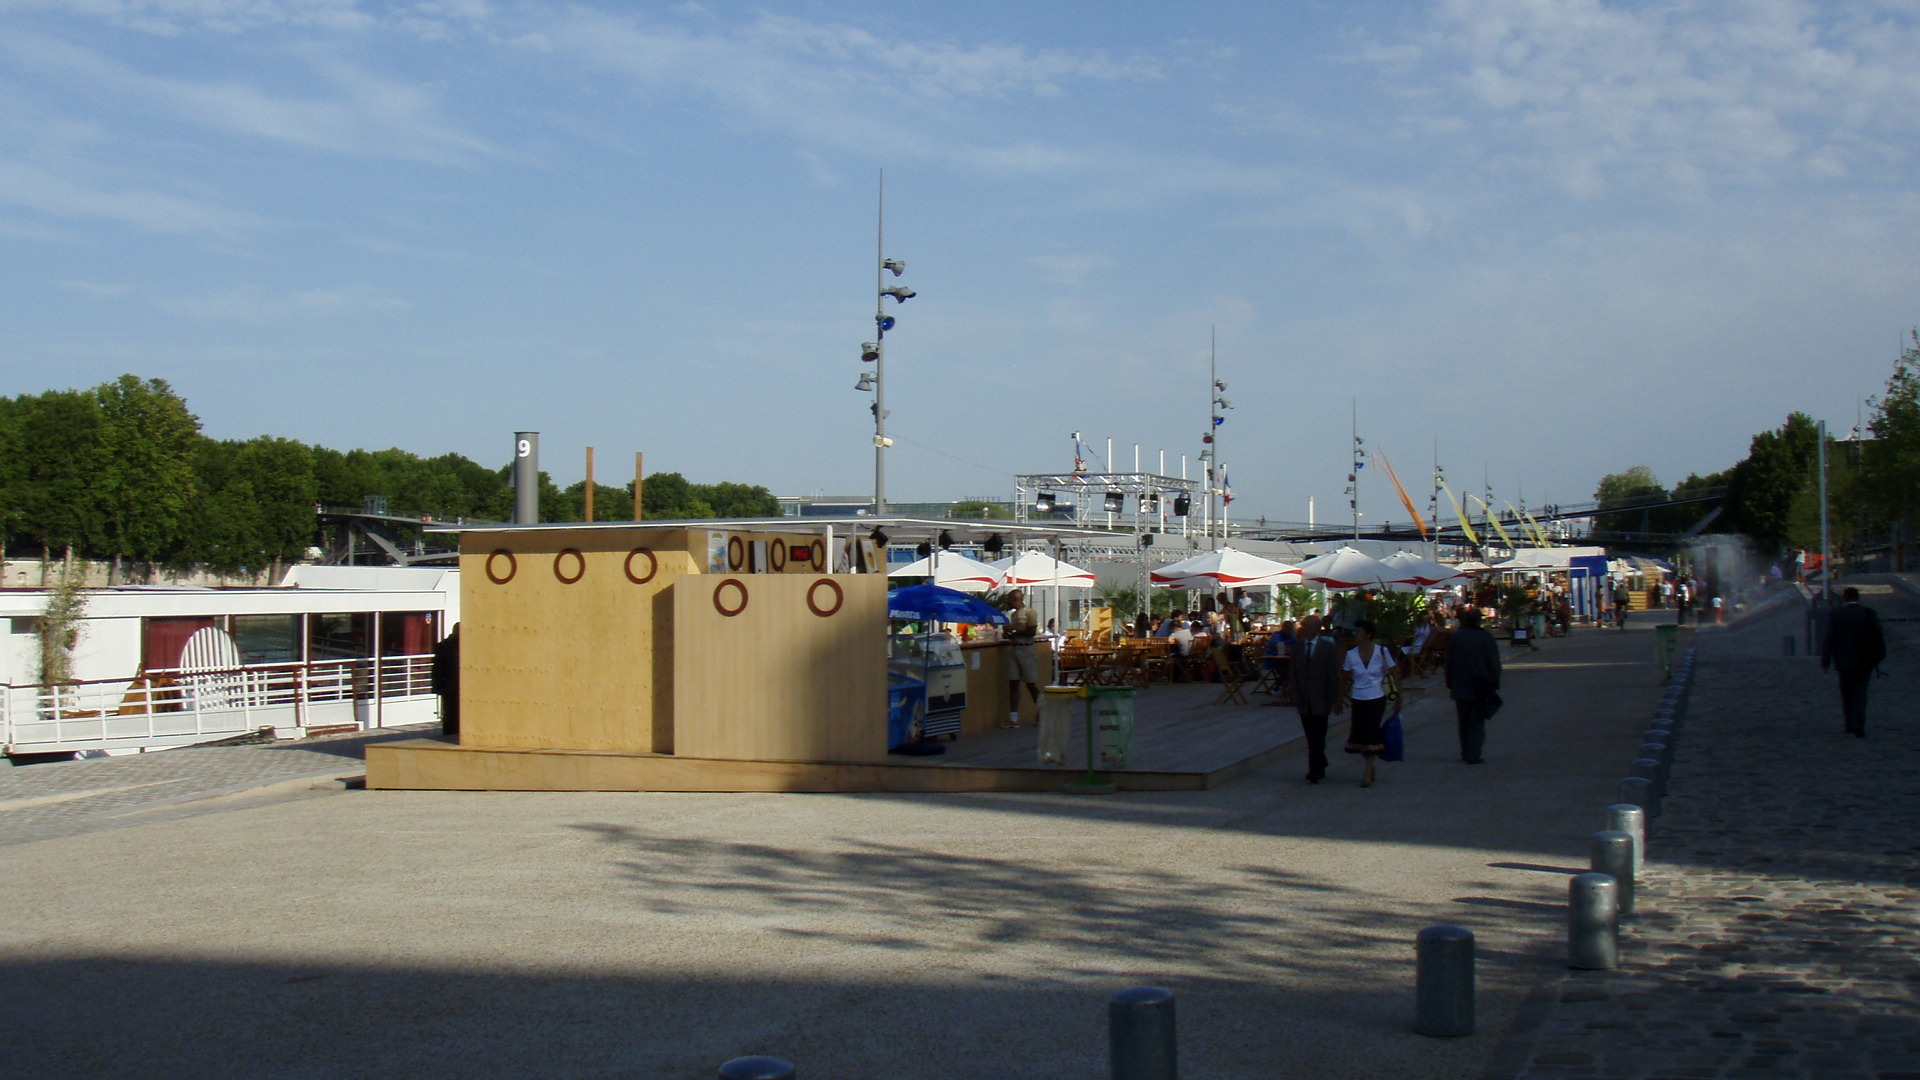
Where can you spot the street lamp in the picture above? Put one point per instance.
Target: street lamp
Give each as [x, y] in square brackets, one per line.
[875, 352]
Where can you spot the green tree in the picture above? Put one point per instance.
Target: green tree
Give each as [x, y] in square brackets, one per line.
[1761, 489]
[143, 474]
[1635, 487]
[979, 510]
[59, 432]
[668, 496]
[1890, 481]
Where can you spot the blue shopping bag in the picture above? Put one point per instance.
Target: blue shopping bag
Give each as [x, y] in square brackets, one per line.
[1394, 738]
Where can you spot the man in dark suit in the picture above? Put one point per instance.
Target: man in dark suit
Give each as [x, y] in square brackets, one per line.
[1473, 680]
[1314, 675]
[1854, 646]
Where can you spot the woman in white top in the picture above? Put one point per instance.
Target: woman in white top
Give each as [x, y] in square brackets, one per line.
[1363, 678]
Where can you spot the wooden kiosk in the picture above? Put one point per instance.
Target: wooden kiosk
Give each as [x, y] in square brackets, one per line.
[670, 657]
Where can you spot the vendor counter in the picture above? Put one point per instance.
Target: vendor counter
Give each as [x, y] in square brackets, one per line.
[987, 666]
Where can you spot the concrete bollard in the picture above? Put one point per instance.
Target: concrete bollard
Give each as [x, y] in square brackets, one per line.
[1640, 793]
[1443, 982]
[1656, 750]
[1630, 819]
[1612, 855]
[1668, 728]
[757, 1068]
[1648, 769]
[1593, 922]
[1140, 1034]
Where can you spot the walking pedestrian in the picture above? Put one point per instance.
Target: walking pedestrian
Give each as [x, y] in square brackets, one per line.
[1473, 681]
[1023, 662]
[1314, 674]
[1854, 647]
[1363, 677]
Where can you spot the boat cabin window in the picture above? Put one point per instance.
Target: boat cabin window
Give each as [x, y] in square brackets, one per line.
[267, 639]
[340, 636]
[165, 636]
[407, 633]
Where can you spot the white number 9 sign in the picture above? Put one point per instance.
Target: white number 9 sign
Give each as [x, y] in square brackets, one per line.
[525, 448]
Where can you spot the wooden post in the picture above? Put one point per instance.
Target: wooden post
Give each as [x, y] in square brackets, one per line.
[589, 504]
[638, 474]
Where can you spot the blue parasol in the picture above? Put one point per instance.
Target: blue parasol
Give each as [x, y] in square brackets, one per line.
[936, 603]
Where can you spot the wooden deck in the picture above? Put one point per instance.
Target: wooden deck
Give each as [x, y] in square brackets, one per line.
[1182, 741]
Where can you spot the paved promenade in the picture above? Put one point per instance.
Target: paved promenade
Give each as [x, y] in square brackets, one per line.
[40, 802]
[1779, 934]
[450, 934]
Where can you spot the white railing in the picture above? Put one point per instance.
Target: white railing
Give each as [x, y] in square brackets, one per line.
[179, 708]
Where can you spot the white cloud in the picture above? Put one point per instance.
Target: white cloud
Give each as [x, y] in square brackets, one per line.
[428, 19]
[253, 304]
[367, 114]
[1068, 269]
[33, 188]
[1681, 96]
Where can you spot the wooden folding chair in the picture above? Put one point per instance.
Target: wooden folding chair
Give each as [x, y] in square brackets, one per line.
[1233, 675]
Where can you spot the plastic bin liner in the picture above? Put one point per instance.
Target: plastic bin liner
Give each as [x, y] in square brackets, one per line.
[1061, 707]
[1112, 726]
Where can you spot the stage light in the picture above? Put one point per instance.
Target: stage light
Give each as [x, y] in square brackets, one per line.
[994, 545]
[870, 351]
[1115, 502]
[1181, 504]
[900, 293]
[1043, 502]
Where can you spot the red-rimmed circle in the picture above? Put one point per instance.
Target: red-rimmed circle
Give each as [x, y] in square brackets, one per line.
[777, 554]
[820, 556]
[839, 597]
[579, 565]
[736, 553]
[513, 566]
[653, 566]
[723, 609]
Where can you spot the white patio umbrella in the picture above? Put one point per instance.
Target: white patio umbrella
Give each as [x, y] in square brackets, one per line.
[1421, 571]
[955, 571]
[1226, 568]
[1350, 568]
[1039, 568]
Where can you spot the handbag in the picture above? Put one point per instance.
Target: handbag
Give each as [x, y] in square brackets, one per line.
[1394, 739]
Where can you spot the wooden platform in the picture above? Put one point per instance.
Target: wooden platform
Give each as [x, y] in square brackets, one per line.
[1182, 741]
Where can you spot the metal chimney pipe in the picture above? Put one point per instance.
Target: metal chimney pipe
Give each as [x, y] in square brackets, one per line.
[526, 478]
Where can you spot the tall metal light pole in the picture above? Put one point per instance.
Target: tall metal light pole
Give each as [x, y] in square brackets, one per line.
[875, 351]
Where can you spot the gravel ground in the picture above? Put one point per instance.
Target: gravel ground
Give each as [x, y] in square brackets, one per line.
[1776, 933]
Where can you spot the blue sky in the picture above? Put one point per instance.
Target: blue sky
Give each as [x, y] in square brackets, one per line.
[1560, 237]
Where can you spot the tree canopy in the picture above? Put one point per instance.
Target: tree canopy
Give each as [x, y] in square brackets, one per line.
[123, 472]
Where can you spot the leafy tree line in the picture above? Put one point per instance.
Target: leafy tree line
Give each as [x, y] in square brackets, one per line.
[121, 472]
[1772, 495]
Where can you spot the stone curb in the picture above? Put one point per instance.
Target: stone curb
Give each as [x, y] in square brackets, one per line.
[333, 780]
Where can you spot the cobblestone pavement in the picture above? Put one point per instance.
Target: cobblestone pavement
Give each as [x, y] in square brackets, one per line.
[38, 802]
[1777, 933]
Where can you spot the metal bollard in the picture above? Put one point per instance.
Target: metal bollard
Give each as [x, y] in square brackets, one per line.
[1140, 1034]
[1648, 769]
[1612, 855]
[1640, 793]
[1630, 819]
[1656, 750]
[1443, 981]
[1593, 922]
[757, 1068]
[1668, 728]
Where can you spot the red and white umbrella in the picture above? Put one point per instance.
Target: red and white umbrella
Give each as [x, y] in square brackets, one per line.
[955, 571]
[1039, 568]
[1226, 568]
[1416, 570]
[1350, 568]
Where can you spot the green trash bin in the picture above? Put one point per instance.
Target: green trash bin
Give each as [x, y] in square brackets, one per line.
[1061, 707]
[1112, 726]
[1666, 641]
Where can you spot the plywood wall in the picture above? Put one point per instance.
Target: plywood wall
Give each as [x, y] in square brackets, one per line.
[776, 681]
[547, 664]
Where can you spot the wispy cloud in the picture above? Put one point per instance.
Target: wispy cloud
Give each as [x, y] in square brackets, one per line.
[430, 19]
[253, 304]
[365, 114]
[32, 188]
[1680, 96]
[1068, 269]
[837, 85]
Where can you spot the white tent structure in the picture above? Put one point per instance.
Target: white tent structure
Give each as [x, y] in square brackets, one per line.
[1039, 568]
[1422, 571]
[955, 571]
[1348, 568]
[1225, 568]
